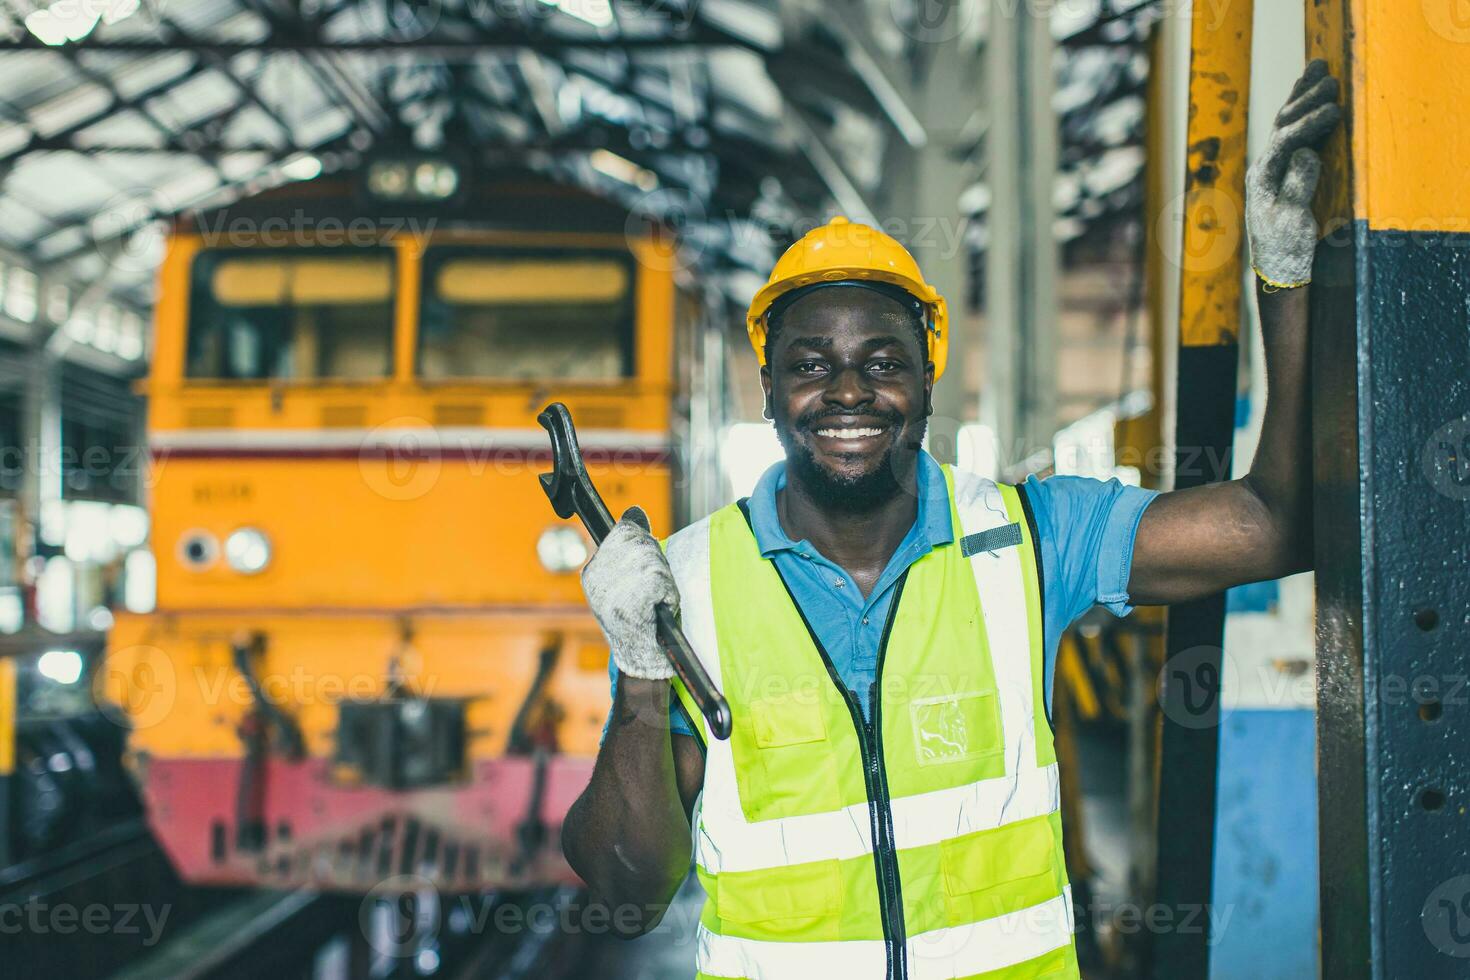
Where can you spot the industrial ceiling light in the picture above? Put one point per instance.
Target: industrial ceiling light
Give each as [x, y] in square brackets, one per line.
[68, 21]
[303, 166]
[622, 169]
[598, 13]
[62, 22]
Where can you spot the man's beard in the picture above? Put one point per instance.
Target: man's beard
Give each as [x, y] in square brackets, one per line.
[851, 494]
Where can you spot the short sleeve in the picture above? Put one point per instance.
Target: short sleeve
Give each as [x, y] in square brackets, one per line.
[1087, 528]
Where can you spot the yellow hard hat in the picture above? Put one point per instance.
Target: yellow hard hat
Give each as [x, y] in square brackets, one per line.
[840, 251]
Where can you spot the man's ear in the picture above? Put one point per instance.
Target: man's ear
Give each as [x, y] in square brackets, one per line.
[766, 392]
[928, 388]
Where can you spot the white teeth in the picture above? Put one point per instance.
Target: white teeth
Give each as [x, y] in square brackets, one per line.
[849, 433]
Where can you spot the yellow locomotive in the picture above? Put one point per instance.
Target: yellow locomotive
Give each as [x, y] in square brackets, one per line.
[370, 655]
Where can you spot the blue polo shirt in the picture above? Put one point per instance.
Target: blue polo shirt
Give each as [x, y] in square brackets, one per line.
[1085, 527]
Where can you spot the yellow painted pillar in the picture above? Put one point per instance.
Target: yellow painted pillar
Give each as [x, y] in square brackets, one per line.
[7, 751]
[1210, 267]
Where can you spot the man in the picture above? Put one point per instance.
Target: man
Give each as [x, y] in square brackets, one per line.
[884, 629]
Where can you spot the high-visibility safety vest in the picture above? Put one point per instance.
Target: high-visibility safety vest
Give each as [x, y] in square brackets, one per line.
[924, 844]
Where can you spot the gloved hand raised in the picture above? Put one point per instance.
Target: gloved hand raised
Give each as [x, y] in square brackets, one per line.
[624, 581]
[1280, 184]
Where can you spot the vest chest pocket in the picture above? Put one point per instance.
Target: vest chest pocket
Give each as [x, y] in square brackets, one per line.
[996, 872]
[787, 721]
[957, 727]
[793, 772]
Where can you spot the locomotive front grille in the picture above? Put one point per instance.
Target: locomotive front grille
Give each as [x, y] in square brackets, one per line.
[398, 744]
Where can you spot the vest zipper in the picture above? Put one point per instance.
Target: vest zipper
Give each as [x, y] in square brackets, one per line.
[875, 779]
[885, 851]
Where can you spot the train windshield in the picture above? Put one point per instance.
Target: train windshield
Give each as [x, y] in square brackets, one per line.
[525, 316]
[298, 314]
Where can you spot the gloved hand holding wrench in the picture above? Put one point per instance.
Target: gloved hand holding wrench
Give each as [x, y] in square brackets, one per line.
[628, 582]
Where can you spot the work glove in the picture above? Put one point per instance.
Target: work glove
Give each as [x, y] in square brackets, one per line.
[624, 581]
[1280, 184]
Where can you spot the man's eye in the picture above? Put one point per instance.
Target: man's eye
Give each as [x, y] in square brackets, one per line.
[884, 366]
[808, 367]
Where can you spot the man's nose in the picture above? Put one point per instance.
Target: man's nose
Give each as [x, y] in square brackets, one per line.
[849, 388]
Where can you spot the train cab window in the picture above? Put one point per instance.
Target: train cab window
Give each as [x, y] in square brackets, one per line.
[302, 314]
[507, 316]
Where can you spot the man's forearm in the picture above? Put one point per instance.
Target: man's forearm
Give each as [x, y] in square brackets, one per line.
[1281, 472]
[627, 834]
[1196, 542]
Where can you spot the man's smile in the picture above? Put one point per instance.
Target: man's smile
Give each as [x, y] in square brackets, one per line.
[849, 437]
[851, 433]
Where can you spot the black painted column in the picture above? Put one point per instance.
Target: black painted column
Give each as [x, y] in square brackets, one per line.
[1391, 416]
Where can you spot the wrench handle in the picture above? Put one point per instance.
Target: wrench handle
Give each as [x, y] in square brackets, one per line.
[711, 702]
[570, 491]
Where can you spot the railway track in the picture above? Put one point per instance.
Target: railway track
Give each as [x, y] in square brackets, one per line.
[304, 934]
[260, 934]
[111, 906]
[50, 873]
[316, 936]
[85, 909]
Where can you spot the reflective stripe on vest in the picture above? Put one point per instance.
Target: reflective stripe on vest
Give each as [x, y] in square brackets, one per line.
[926, 845]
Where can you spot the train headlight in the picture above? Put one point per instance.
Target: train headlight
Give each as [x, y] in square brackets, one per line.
[198, 550]
[388, 179]
[61, 666]
[413, 178]
[435, 180]
[561, 549]
[248, 550]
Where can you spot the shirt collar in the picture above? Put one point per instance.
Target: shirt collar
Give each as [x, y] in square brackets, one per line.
[932, 524]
